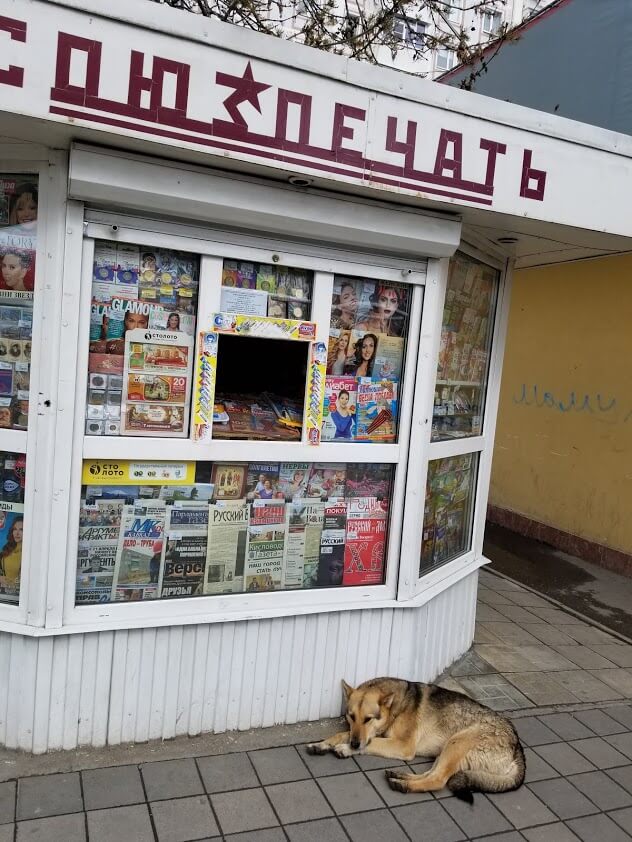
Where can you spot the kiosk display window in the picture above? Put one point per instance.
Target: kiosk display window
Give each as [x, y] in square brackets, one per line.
[447, 526]
[166, 530]
[365, 358]
[11, 524]
[142, 336]
[259, 289]
[466, 338]
[18, 243]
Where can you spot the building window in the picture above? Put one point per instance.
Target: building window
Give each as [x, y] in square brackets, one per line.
[445, 59]
[409, 31]
[491, 22]
[454, 10]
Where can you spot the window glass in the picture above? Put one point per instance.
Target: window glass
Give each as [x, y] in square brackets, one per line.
[18, 242]
[142, 329]
[466, 338]
[173, 530]
[11, 524]
[367, 338]
[447, 528]
[258, 289]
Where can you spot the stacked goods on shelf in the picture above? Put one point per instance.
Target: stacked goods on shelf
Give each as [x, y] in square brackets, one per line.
[259, 417]
[367, 335]
[447, 510]
[143, 289]
[254, 527]
[257, 289]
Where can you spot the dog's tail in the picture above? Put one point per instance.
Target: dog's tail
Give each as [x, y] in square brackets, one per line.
[464, 783]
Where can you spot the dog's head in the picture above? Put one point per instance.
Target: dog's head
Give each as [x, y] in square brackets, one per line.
[368, 713]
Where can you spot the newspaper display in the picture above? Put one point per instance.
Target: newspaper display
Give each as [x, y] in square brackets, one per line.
[99, 527]
[266, 543]
[226, 551]
[156, 383]
[332, 545]
[365, 542]
[302, 547]
[140, 552]
[185, 550]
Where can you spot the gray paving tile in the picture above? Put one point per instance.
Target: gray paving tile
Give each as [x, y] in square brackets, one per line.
[522, 808]
[566, 726]
[588, 635]
[391, 796]
[599, 722]
[551, 635]
[69, 828]
[244, 809]
[483, 635]
[565, 759]
[350, 793]
[622, 713]
[518, 614]
[271, 834]
[599, 827]
[584, 686]
[544, 657]
[537, 768]
[120, 823]
[541, 688]
[600, 752]
[512, 836]
[486, 613]
[623, 742]
[323, 830]
[557, 616]
[602, 790]
[428, 820]
[550, 833]
[584, 657]
[7, 802]
[508, 632]
[115, 786]
[366, 762]
[300, 801]
[279, 765]
[494, 691]
[533, 732]
[481, 819]
[529, 600]
[49, 795]
[471, 664]
[562, 797]
[498, 583]
[328, 764]
[494, 597]
[226, 772]
[623, 776]
[618, 678]
[171, 779]
[376, 826]
[7, 832]
[619, 653]
[505, 658]
[183, 819]
[624, 819]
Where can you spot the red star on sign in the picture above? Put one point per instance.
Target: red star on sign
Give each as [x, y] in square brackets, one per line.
[246, 90]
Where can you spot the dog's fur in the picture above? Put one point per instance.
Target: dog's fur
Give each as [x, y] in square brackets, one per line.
[476, 749]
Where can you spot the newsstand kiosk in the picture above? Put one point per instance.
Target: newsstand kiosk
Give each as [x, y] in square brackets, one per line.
[252, 308]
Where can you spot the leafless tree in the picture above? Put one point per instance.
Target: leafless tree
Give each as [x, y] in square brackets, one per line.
[368, 30]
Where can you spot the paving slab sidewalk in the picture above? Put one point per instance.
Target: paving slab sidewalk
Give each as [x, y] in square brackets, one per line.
[566, 684]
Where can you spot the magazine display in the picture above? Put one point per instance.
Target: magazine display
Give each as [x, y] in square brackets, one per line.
[156, 383]
[185, 550]
[364, 546]
[263, 570]
[99, 527]
[18, 245]
[135, 288]
[229, 481]
[447, 511]
[262, 480]
[226, 549]
[302, 547]
[140, 552]
[11, 531]
[376, 410]
[258, 289]
[293, 477]
[464, 348]
[339, 411]
[327, 480]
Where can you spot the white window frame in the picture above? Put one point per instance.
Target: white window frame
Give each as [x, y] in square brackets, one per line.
[424, 587]
[495, 22]
[450, 56]
[213, 246]
[410, 34]
[454, 11]
[37, 440]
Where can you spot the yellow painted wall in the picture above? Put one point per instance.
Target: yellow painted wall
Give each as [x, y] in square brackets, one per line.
[562, 460]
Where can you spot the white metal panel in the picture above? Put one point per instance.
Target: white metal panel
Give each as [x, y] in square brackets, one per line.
[133, 685]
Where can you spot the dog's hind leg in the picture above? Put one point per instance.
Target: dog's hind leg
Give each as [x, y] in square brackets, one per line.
[451, 760]
[330, 744]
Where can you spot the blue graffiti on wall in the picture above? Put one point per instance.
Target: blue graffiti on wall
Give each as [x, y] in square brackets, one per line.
[595, 404]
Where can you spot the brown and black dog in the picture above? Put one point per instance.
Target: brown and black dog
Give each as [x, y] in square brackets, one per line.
[476, 749]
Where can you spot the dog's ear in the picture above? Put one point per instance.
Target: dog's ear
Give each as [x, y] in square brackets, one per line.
[347, 689]
[387, 701]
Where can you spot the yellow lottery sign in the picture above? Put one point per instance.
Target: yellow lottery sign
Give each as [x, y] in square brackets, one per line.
[128, 472]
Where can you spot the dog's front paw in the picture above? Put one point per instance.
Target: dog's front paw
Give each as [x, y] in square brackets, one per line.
[343, 750]
[397, 780]
[318, 748]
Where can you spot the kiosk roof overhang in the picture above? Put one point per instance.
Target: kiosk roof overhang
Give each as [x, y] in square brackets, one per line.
[147, 78]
